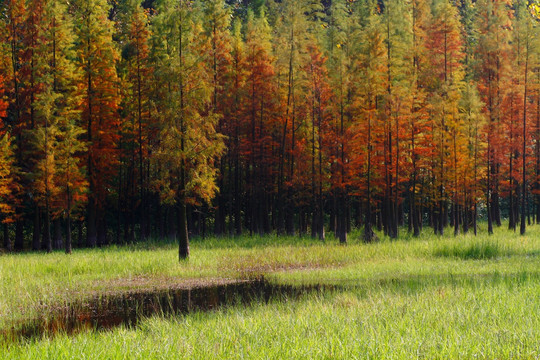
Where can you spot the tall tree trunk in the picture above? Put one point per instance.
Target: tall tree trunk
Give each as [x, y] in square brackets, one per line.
[58, 241]
[80, 240]
[524, 148]
[47, 231]
[36, 245]
[489, 182]
[7, 241]
[91, 231]
[369, 235]
[183, 236]
[68, 234]
[19, 235]
[102, 232]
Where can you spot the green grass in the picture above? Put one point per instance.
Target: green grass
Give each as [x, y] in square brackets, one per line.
[441, 322]
[475, 251]
[431, 297]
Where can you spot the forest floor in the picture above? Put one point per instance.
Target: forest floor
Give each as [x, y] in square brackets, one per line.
[430, 297]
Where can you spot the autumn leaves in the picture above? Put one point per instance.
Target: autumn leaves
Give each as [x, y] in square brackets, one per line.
[293, 117]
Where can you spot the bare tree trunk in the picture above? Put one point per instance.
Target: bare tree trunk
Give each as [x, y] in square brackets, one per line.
[7, 241]
[36, 245]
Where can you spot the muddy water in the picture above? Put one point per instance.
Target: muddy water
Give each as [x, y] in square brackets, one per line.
[107, 312]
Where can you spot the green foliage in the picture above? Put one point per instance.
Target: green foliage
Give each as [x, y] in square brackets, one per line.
[190, 142]
[57, 138]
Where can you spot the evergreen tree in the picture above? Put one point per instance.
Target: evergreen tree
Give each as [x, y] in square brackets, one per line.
[97, 56]
[296, 24]
[492, 53]
[7, 185]
[418, 125]
[369, 144]
[237, 93]
[398, 29]
[55, 106]
[16, 120]
[7, 178]
[190, 143]
[259, 119]
[217, 21]
[137, 70]
[525, 35]
[341, 38]
[71, 181]
[446, 55]
[474, 120]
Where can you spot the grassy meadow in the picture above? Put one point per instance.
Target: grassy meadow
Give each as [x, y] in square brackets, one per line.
[433, 297]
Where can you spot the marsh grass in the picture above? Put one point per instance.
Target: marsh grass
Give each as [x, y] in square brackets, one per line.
[427, 297]
[476, 251]
[462, 319]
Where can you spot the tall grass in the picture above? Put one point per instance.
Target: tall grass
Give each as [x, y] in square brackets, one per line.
[473, 251]
[399, 292]
[459, 320]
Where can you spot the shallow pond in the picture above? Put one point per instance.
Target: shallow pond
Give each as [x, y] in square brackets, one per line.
[127, 309]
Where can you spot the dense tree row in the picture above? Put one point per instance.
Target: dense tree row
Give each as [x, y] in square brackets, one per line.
[168, 118]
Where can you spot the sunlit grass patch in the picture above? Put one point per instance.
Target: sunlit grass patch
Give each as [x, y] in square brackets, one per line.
[482, 250]
[483, 320]
[428, 297]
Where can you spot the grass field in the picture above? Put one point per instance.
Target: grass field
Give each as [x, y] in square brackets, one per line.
[431, 297]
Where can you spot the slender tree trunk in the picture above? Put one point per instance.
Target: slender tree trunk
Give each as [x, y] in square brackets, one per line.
[511, 208]
[183, 236]
[68, 234]
[68, 221]
[321, 199]
[488, 190]
[7, 241]
[524, 148]
[537, 148]
[142, 191]
[19, 236]
[102, 231]
[47, 235]
[91, 231]
[58, 241]
[36, 245]
[80, 240]
[369, 236]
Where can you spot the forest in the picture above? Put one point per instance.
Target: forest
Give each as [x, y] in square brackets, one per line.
[123, 121]
[269, 179]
